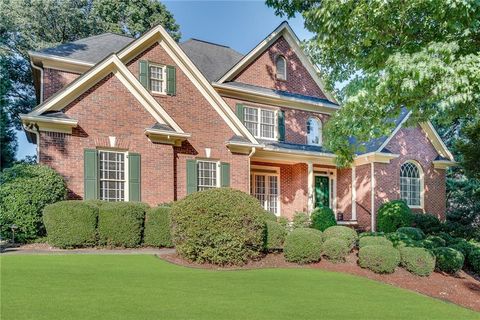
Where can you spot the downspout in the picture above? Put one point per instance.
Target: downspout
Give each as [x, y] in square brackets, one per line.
[36, 132]
[372, 191]
[41, 79]
[250, 155]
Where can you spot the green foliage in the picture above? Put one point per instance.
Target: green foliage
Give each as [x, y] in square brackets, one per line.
[322, 218]
[463, 246]
[473, 260]
[7, 131]
[447, 237]
[70, 224]
[433, 242]
[335, 249]
[428, 223]
[400, 240]
[418, 261]
[379, 259]
[412, 233]
[120, 224]
[448, 260]
[374, 241]
[303, 245]
[275, 235]
[221, 226]
[300, 220]
[393, 215]
[24, 191]
[371, 234]
[157, 228]
[270, 216]
[284, 222]
[468, 147]
[341, 232]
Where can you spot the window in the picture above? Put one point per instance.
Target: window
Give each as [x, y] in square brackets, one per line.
[265, 189]
[411, 184]
[260, 122]
[281, 66]
[207, 175]
[112, 176]
[314, 131]
[158, 83]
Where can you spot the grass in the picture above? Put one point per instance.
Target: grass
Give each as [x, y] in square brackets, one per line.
[145, 287]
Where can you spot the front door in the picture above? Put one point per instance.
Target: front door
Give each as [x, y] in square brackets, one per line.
[322, 191]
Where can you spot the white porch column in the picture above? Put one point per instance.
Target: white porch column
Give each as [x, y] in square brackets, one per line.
[354, 193]
[310, 182]
[372, 184]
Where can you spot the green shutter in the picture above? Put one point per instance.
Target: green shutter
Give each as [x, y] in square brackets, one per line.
[144, 74]
[281, 125]
[191, 176]
[171, 81]
[134, 177]
[225, 174]
[90, 171]
[240, 112]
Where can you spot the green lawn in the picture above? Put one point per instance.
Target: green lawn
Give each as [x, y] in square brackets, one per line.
[145, 287]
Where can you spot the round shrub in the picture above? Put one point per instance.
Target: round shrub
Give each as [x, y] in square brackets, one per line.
[157, 228]
[275, 235]
[270, 216]
[120, 224]
[374, 241]
[341, 232]
[221, 226]
[379, 259]
[335, 249]
[303, 245]
[300, 220]
[473, 260]
[371, 234]
[70, 224]
[448, 260]
[433, 242]
[418, 261]
[463, 246]
[401, 240]
[447, 237]
[412, 233]
[393, 215]
[428, 223]
[25, 189]
[323, 218]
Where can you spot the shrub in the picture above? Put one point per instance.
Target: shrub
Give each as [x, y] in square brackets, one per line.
[70, 224]
[300, 220]
[270, 216]
[412, 233]
[341, 232]
[120, 224]
[371, 234]
[275, 235]
[393, 215]
[418, 261]
[284, 222]
[221, 226]
[26, 189]
[428, 223]
[401, 240]
[448, 260]
[323, 218]
[335, 249]
[447, 237]
[157, 228]
[473, 260]
[379, 259]
[95, 203]
[303, 245]
[374, 241]
[432, 242]
[463, 246]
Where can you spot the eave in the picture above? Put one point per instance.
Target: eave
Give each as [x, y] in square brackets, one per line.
[65, 64]
[371, 157]
[166, 137]
[293, 156]
[444, 164]
[49, 124]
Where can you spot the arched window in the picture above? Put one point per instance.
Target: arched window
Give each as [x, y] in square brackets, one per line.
[281, 66]
[314, 131]
[411, 184]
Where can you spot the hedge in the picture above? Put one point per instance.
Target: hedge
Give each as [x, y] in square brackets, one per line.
[418, 261]
[70, 224]
[412, 233]
[401, 240]
[374, 241]
[433, 242]
[221, 226]
[275, 235]
[341, 232]
[270, 216]
[322, 218]
[448, 260]
[393, 215]
[371, 234]
[300, 220]
[120, 224]
[474, 260]
[303, 245]
[428, 223]
[157, 227]
[335, 249]
[379, 259]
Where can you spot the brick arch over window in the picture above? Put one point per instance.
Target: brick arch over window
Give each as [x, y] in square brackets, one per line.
[412, 184]
[314, 131]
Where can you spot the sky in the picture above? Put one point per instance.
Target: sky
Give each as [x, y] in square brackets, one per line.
[240, 25]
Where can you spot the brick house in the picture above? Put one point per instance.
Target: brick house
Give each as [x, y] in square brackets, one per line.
[152, 120]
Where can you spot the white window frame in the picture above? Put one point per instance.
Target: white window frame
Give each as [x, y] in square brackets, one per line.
[266, 171]
[278, 75]
[320, 131]
[126, 177]
[164, 79]
[421, 181]
[217, 173]
[257, 134]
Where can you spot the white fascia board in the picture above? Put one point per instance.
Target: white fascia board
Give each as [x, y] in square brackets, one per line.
[167, 133]
[435, 137]
[33, 118]
[41, 56]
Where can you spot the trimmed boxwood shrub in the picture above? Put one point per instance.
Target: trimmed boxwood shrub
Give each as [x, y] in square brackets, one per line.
[341, 232]
[379, 259]
[221, 226]
[447, 237]
[418, 261]
[433, 242]
[371, 234]
[412, 233]
[303, 245]
[335, 249]
[323, 218]
[463, 246]
[374, 241]
[120, 224]
[70, 224]
[275, 235]
[157, 228]
[428, 223]
[300, 220]
[401, 240]
[270, 216]
[393, 215]
[448, 260]
[473, 260]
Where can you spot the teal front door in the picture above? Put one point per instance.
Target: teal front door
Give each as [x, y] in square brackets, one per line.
[322, 191]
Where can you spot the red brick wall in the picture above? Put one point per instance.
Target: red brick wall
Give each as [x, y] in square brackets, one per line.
[344, 193]
[261, 72]
[364, 194]
[54, 80]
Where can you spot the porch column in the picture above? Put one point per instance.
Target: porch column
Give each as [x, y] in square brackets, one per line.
[310, 200]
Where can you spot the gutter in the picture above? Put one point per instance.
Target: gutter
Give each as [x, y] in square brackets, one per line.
[41, 79]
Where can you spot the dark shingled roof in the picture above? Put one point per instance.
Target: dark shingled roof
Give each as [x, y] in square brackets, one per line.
[55, 114]
[277, 145]
[160, 126]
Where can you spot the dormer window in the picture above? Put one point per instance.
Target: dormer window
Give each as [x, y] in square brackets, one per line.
[314, 132]
[281, 67]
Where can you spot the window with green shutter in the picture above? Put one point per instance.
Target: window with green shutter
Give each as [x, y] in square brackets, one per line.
[281, 125]
[171, 81]
[134, 177]
[144, 74]
[191, 176]
[225, 174]
[205, 174]
[90, 173]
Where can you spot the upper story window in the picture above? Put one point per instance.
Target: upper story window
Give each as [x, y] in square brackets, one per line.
[314, 132]
[112, 176]
[411, 184]
[158, 76]
[281, 67]
[260, 122]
